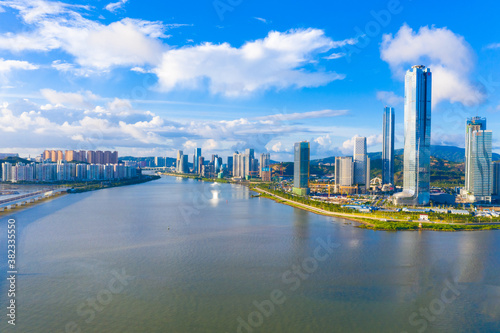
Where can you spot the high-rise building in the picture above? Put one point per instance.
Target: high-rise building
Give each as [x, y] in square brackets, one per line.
[388, 146]
[230, 160]
[236, 164]
[184, 166]
[6, 171]
[196, 162]
[301, 168]
[201, 162]
[417, 147]
[265, 165]
[249, 162]
[160, 161]
[46, 155]
[471, 125]
[244, 164]
[91, 157]
[99, 157]
[180, 153]
[344, 172]
[478, 166]
[360, 161]
[496, 179]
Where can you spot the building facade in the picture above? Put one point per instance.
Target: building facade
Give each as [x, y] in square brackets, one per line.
[265, 167]
[196, 160]
[344, 172]
[388, 146]
[417, 142]
[478, 160]
[301, 168]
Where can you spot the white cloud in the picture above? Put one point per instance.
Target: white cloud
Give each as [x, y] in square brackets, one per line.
[335, 56]
[261, 19]
[113, 6]
[447, 54]
[389, 98]
[72, 100]
[59, 26]
[493, 46]
[8, 65]
[139, 70]
[276, 61]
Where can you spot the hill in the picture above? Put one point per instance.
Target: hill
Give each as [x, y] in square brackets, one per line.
[443, 172]
[448, 153]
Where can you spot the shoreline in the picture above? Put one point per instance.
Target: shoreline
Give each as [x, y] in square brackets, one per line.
[125, 182]
[375, 223]
[365, 222]
[16, 208]
[91, 187]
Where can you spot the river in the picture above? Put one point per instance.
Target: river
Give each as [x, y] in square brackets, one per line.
[179, 255]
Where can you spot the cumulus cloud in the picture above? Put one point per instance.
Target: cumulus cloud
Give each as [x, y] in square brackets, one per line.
[72, 100]
[55, 25]
[276, 61]
[447, 54]
[8, 65]
[389, 98]
[82, 120]
[114, 6]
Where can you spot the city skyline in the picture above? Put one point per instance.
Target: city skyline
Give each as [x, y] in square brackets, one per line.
[314, 78]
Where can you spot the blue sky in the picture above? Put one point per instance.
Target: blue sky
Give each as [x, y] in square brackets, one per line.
[149, 77]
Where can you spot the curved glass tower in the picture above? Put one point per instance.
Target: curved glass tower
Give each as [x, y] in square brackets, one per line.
[417, 151]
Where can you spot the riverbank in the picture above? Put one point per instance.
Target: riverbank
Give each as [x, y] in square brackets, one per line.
[376, 223]
[14, 208]
[101, 185]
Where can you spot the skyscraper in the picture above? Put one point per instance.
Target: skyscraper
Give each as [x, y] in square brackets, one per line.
[388, 146]
[417, 151]
[249, 162]
[184, 164]
[478, 167]
[344, 172]
[471, 125]
[360, 160]
[265, 171]
[496, 179]
[230, 164]
[301, 168]
[197, 155]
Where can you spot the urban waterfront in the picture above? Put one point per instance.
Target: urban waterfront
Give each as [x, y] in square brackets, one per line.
[180, 255]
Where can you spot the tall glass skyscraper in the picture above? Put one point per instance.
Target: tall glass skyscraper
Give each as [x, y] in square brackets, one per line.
[360, 160]
[301, 168]
[388, 146]
[417, 151]
[478, 167]
[197, 155]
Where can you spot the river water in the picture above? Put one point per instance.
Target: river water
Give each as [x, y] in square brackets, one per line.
[179, 255]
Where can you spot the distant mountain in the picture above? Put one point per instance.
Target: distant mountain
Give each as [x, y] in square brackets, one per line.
[448, 153]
